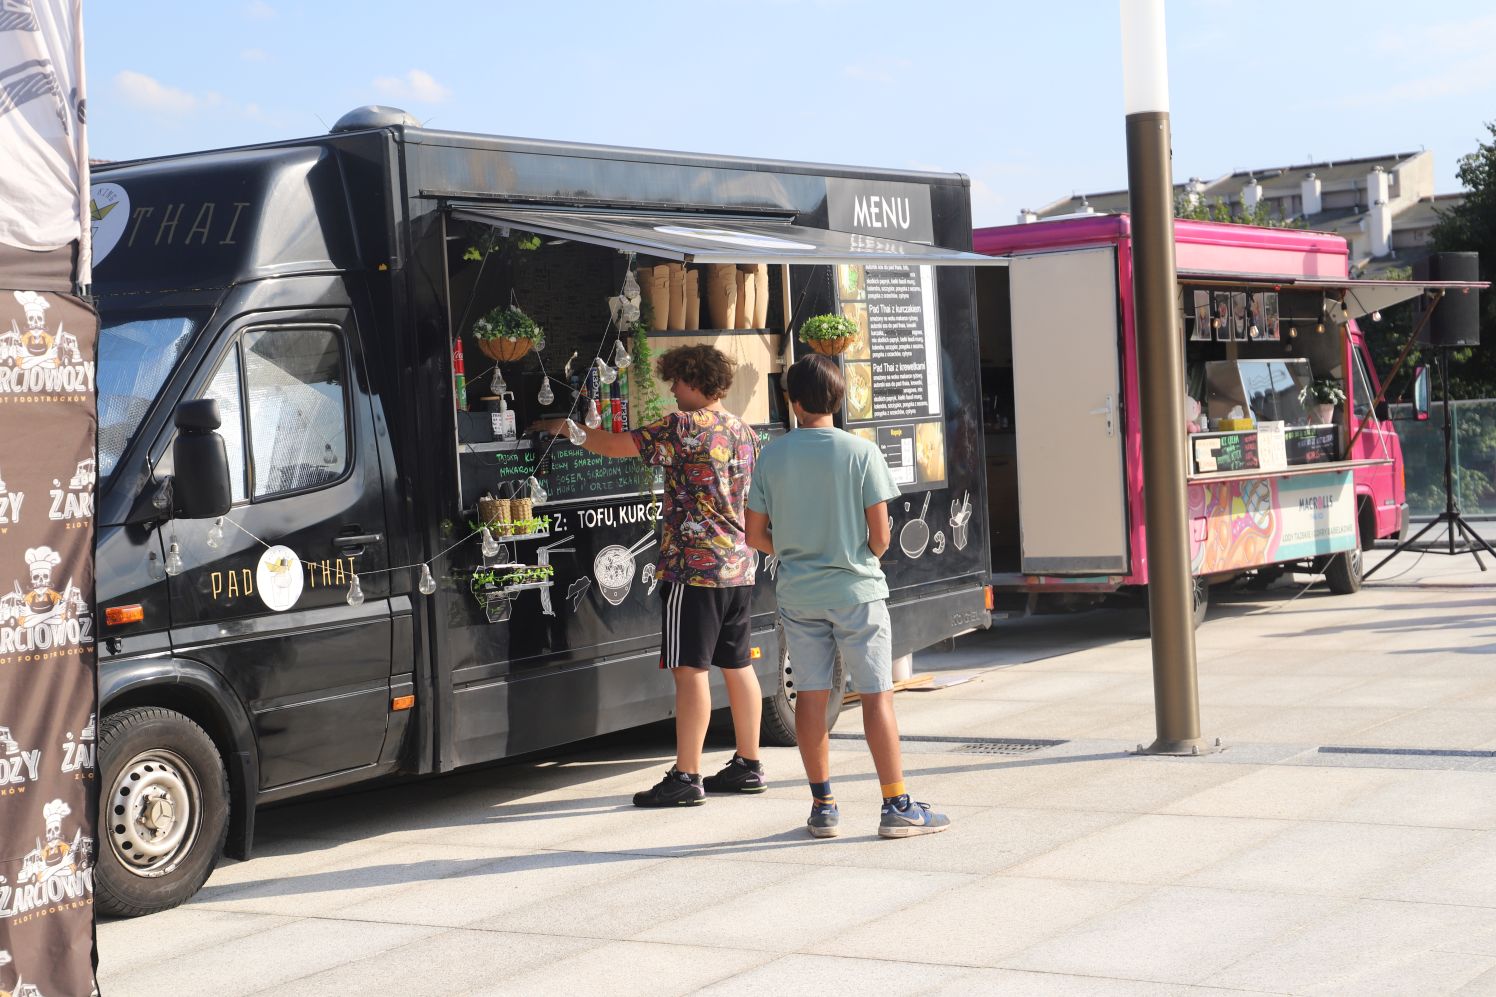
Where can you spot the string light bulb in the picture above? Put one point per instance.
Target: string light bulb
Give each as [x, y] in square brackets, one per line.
[1376, 316]
[621, 356]
[1293, 332]
[490, 545]
[540, 342]
[174, 557]
[1319, 327]
[593, 419]
[498, 385]
[215, 534]
[1252, 332]
[630, 285]
[605, 374]
[538, 494]
[575, 433]
[545, 395]
[355, 592]
[427, 584]
[328, 457]
[153, 567]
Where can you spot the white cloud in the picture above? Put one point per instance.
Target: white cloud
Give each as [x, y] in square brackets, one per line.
[151, 94]
[260, 10]
[255, 55]
[414, 85]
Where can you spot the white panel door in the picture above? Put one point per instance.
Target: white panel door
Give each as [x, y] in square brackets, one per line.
[1072, 501]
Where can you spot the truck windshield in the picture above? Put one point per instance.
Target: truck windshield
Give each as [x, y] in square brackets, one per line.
[136, 354]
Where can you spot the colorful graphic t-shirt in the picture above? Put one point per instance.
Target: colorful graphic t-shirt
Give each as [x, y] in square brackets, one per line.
[708, 459]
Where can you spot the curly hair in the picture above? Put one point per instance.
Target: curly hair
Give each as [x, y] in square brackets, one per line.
[705, 368]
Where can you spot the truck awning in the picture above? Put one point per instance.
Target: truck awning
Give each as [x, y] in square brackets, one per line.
[1360, 297]
[692, 239]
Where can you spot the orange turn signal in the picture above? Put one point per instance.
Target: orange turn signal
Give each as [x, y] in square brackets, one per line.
[119, 615]
[402, 703]
[756, 653]
[991, 599]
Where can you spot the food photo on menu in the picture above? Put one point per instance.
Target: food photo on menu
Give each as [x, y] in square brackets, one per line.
[851, 281]
[859, 391]
[861, 348]
[929, 451]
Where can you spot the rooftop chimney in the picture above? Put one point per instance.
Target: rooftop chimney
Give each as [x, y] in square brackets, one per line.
[1251, 193]
[1027, 217]
[1309, 194]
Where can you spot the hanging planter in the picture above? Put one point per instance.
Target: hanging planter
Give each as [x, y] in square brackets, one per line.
[828, 335]
[506, 334]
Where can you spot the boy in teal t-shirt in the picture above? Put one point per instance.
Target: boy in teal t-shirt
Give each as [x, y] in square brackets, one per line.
[817, 503]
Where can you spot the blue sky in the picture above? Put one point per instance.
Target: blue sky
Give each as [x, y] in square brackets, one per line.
[1023, 97]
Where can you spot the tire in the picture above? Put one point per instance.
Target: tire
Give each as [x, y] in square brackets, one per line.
[163, 811]
[1345, 571]
[778, 727]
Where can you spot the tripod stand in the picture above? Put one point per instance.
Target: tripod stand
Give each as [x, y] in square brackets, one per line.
[1472, 543]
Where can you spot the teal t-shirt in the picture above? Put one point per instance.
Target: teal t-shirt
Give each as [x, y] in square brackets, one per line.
[815, 485]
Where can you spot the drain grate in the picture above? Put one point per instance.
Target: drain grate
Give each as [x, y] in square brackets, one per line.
[1413, 752]
[967, 745]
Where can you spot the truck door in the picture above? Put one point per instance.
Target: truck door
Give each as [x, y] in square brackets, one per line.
[268, 605]
[1377, 441]
[1067, 395]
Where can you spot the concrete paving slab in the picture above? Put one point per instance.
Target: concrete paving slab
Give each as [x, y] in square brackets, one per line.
[1465, 876]
[1433, 728]
[1154, 849]
[138, 943]
[623, 969]
[815, 974]
[1430, 799]
[1173, 935]
[981, 923]
[1290, 792]
[1007, 982]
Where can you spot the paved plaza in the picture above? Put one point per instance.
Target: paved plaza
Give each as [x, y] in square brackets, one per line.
[1343, 842]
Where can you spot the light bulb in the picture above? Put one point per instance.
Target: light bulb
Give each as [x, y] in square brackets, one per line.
[1252, 332]
[1319, 327]
[174, 557]
[592, 419]
[355, 593]
[1376, 316]
[153, 567]
[630, 285]
[1293, 332]
[497, 386]
[328, 457]
[539, 343]
[545, 395]
[215, 534]
[575, 433]
[621, 357]
[605, 374]
[1215, 323]
[490, 545]
[427, 584]
[538, 494]
[629, 313]
[566, 368]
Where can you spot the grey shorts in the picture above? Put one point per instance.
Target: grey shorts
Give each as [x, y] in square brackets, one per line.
[861, 633]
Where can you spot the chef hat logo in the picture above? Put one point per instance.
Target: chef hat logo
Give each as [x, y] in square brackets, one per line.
[54, 812]
[36, 308]
[42, 559]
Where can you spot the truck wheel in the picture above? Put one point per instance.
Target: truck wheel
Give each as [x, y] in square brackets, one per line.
[163, 811]
[1344, 572]
[779, 709]
[1199, 602]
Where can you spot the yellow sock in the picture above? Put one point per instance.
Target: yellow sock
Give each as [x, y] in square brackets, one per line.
[892, 789]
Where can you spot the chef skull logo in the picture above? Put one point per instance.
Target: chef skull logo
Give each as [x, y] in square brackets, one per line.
[54, 855]
[44, 616]
[41, 358]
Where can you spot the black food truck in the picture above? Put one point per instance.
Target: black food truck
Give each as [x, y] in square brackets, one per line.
[395, 579]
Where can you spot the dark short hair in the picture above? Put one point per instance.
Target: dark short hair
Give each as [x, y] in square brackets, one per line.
[815, 382]
[703, 367]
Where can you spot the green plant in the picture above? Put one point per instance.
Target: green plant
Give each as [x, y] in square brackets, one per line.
[492, 242]
[823, 327]
[507, 322]
[1323, 391]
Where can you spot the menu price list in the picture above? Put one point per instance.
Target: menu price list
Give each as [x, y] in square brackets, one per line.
[915, 452]
[1222, 452]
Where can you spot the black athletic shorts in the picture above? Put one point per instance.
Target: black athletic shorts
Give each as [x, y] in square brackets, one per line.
[704, 626]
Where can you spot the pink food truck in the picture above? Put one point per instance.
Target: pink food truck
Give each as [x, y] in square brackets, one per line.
[1282, 472]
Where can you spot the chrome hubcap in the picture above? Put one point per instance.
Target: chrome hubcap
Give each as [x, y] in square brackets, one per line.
[153, 813]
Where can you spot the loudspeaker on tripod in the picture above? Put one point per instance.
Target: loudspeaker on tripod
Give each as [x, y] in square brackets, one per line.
[1456, 320]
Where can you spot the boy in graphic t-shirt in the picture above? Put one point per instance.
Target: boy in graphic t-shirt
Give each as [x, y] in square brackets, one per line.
[706, 568]
[818, 503]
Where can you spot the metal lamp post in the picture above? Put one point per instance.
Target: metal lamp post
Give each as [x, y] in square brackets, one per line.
[1160, 353]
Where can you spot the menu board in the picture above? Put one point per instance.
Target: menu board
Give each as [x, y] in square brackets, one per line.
[1222, 452]
[893, 368]
[1312, 444]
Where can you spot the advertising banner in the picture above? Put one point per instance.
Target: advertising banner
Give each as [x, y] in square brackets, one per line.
[1256, 521]
[48, 682]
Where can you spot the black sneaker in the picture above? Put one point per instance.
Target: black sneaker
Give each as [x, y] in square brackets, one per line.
[737, 776]
[677, 789]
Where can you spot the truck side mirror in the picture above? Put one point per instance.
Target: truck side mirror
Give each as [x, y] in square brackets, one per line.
[1421, 393]
[201, 488]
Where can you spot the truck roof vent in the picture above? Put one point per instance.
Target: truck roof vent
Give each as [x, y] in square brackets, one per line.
[374, 116]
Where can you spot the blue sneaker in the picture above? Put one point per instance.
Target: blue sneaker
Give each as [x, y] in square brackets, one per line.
[903, 818]
[824, 818]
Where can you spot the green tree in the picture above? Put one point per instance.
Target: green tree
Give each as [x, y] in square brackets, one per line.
[1471, 227]
[1224, 211]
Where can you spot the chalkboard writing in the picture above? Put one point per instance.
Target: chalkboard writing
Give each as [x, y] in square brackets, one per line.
[1220, 452]
[1312, 444]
